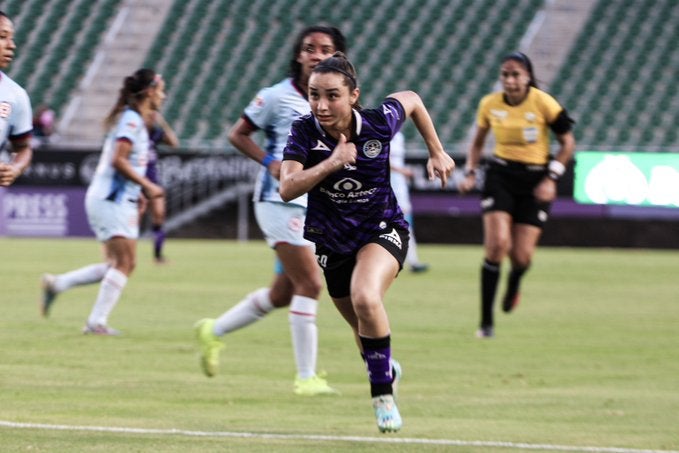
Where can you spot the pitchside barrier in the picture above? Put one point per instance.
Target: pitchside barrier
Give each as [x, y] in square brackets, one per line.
[598, 191]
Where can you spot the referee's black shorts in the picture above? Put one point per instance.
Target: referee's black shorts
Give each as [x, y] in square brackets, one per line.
[509, 188]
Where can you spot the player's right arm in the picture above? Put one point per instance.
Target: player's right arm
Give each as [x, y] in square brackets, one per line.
[240, 136]
[473, 160]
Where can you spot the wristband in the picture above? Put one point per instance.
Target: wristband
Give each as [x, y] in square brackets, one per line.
[555, 170]
[267, 160]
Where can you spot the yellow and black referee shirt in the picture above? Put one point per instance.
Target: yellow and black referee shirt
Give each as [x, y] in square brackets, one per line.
[521, 131]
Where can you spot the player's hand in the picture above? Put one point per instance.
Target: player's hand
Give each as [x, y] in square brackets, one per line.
[545, 192]
[152, 191]
[440, 165]
[275, 169]
[8, 174]
[344, 153]
[467, 184]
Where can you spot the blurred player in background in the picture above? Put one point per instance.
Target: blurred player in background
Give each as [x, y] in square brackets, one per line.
[297, 282]
[521, 178]
[112, 199]
[339, 155]
[16, 117]
[400, 175]
[159, 133]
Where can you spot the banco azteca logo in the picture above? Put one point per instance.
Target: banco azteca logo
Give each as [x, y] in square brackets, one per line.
[347, 185]
[372, 148]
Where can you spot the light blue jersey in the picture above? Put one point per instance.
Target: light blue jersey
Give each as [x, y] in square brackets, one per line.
[273, 110]
[108, 183]
[16, 116]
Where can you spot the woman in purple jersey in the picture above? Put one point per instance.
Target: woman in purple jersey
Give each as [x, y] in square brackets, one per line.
[297, 282]
[339, 155]
[15, 111]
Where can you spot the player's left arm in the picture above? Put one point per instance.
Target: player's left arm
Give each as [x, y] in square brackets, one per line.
[440, 164]
[546, 191]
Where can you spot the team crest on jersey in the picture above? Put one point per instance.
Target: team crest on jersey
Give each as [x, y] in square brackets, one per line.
[258, 101]
[530, 117]
[320, 146]
[5, 109]
[372, 148]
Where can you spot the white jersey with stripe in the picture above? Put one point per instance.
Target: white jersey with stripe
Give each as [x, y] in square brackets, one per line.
[273, 110]
[109, 184]
[16, 116]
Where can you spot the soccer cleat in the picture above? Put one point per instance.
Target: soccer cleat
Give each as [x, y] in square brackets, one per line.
[485, 332]
[397, 374]
[313, 386]
[386, 413]
[419, 268]
[510, 303]
[48, 293]
[100, 329]
[210, 346]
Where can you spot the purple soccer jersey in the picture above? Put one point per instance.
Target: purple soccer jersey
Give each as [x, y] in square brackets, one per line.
[352, 205]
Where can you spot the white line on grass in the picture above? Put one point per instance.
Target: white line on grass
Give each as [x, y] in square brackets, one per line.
[318, 437]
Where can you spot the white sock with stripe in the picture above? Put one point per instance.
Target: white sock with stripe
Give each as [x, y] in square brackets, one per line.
[252, 308]
[302, 318]
[110, 290]
[84, 276]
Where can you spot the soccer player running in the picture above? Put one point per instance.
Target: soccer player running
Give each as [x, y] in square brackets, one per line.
[160, 132]
[339, 155]
[16, 117]
[521, 177]
[297, 281]
[112, 199]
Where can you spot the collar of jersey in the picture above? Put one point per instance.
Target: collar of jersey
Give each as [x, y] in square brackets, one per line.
[357, 131]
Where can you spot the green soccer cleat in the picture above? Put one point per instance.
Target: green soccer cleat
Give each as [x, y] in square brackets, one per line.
[210, 346]
[48, 293]
[386, 413]
[313, 386]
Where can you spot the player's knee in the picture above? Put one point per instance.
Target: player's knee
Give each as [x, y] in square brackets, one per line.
[365, 302]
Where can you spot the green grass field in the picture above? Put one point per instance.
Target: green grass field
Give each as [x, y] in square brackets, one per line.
[588, 362]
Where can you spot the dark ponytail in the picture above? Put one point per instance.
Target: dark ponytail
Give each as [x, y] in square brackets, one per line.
[133, 91]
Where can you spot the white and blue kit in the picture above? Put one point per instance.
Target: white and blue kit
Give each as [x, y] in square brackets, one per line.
[16, 115]
[273, 110]
[112, 199]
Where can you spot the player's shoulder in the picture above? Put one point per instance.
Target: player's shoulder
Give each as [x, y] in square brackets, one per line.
[9, 85]
[492, 98]
[544, 99]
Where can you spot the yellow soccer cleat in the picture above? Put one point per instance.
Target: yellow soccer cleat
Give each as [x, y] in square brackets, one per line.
[210, 346]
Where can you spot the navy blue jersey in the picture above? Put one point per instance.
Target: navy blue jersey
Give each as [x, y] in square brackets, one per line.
[352, 205]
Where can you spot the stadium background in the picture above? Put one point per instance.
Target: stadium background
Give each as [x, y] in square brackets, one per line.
[613, 63]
